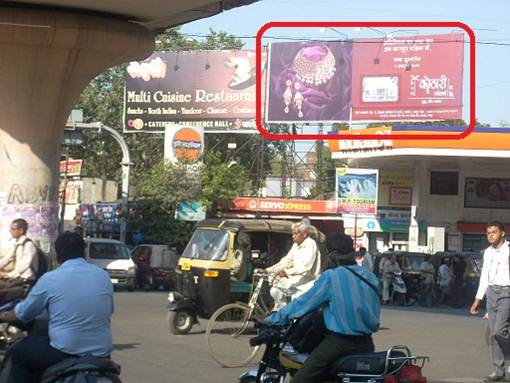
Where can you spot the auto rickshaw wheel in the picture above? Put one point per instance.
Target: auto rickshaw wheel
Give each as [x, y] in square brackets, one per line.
[180, 322]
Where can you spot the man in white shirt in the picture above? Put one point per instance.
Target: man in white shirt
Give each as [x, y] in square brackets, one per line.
[428, 273]
[296, 272]
[23, 254]
[444, 277]
[368, 260]
[495, 284]
[390, 266]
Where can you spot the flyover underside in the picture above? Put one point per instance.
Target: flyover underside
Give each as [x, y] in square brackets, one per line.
[47, 59]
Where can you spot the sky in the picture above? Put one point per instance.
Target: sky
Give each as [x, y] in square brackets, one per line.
[489, 20]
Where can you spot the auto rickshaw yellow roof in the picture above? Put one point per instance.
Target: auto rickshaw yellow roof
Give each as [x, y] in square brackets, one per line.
[273, 225]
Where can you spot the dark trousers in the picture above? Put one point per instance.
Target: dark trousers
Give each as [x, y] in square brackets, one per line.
[27, 360]
[333, 347]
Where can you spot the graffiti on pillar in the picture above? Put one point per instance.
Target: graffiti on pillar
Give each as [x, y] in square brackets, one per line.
[31, 194]
[42, 217]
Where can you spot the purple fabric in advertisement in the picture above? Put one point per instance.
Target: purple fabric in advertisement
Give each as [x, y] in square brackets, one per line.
[309, 81]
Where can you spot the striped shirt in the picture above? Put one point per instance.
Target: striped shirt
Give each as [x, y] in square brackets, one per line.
[352, 307]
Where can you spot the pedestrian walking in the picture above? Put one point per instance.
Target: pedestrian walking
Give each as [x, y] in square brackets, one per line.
[444, 279]
[428, 273]
[495, 285]
[458, 271]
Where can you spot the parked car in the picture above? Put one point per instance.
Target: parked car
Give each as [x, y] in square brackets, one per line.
[159, 262]
[112, 256]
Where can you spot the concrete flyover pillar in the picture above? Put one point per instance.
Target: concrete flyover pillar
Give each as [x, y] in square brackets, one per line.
[46, 59]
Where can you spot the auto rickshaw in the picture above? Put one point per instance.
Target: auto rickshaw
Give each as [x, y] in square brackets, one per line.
[473, 268]
[217, 265]
[410, 264]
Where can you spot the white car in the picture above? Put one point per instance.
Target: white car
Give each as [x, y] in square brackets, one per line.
[112, 256]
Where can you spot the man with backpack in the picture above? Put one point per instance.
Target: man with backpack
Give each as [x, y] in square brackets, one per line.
[21, 265]
[349, 295]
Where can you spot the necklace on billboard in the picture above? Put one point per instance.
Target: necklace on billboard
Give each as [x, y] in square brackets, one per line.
[314, 65]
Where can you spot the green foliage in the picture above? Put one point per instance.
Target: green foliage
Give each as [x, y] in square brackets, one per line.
[159, 190]
[221, 182]
[159, 184]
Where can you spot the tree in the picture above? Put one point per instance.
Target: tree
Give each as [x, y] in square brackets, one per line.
[221, 182]
[160, 189]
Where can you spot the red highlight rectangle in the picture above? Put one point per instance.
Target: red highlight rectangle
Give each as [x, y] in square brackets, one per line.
[439, 136]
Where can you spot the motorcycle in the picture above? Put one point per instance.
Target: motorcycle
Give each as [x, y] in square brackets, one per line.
[85, 369]
[9, 334]
[399, 289]
[280, 360]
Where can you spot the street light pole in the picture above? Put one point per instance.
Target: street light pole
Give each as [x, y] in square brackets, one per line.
[125, 163]
[63, 195]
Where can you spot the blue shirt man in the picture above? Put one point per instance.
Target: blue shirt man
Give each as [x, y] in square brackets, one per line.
[78, 298]
[352, 307]
[351, 311]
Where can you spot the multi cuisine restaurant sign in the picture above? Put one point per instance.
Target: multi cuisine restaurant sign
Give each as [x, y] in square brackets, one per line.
[214, 90]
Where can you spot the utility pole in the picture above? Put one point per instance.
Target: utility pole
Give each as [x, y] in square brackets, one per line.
[283, 181]
[260, 163]
[318, 152]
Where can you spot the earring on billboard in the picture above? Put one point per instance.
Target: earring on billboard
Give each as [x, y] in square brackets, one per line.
[298, 100]
[287, 96]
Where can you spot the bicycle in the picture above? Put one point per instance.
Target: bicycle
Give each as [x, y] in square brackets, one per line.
[230, 327]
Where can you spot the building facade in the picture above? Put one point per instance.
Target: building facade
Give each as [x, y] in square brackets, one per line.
[445, 191]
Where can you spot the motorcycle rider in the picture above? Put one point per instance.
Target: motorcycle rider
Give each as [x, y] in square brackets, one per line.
[390, 267]
[78, 297]
[351, 313]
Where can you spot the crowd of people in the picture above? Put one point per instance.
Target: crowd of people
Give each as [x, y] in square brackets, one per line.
[302, 281]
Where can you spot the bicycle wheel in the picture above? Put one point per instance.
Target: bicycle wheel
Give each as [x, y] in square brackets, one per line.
[228, 333]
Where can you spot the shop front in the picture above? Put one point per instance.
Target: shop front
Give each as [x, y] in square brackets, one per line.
[446, 190]
[321, 213]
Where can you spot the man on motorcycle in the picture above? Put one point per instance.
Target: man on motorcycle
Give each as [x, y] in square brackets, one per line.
[296, 271]
[78, 297]
[390, 267]
[349, 296]
[22, 258]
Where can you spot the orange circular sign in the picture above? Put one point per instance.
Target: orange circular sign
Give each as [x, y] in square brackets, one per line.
[187, 144]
